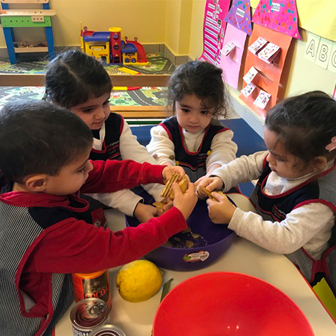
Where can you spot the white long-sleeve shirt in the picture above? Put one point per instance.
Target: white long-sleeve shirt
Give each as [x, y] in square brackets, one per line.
[130, 149]
[308, 226]
[223, 149]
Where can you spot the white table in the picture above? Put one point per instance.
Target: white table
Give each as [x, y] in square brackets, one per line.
[244, 257]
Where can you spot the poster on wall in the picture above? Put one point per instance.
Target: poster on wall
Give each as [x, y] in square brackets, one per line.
[238, 27]
[280, 15]
[313, 14]
[214, 29]
[276, 23]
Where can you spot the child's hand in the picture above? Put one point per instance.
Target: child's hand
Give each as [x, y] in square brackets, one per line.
[165, 205]
[168, 204]
[210, 183]
[185, 202]
[144, 212]
[221, 209]
[168, 171]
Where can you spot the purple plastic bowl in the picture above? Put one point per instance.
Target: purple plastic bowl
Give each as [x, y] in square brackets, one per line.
[218, 236]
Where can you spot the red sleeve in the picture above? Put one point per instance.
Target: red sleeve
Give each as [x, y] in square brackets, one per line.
[113, 175]
[74, 246]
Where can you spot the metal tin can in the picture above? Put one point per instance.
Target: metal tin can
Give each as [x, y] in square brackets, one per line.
[88, 314]
[107, 330]
[92, 285]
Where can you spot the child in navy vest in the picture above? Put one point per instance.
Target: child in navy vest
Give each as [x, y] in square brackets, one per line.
[295, 196]
[80, 83]
[46, 230]
[194, 138]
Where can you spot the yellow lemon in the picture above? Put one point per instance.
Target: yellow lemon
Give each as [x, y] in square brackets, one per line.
[139, 280]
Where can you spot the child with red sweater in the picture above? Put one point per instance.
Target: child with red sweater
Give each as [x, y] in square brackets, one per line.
[45, 231]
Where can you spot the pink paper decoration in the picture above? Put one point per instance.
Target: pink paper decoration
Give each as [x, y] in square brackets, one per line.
[214, 29]
[279, 15]
[239, 16]
[231, 63]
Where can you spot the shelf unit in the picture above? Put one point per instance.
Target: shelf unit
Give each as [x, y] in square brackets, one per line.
[26, 18]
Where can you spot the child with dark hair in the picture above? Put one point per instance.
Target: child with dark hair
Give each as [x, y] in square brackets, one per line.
[80, 83]
[295, 196]
[194, 138]
[45, 231]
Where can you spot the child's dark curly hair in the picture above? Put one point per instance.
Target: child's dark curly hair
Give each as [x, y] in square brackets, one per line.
[202, 79]
[305, 124]
[73, 77]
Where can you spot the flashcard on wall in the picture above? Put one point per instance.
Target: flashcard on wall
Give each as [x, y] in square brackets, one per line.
[279, 15]
[228, 48]
[239, 16]
[214, 29]
[248, 89]
[257, 45]
[312, 44]
[262, 99]
[324, 53]
[250, 75]
[269, 53]
[332, 61]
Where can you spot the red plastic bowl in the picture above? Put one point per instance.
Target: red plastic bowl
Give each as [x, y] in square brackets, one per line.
[224, 303]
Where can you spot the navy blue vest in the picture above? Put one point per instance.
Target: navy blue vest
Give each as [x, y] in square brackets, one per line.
[321, 189]
[31, 222]
[194, 163]
[277, 207]
[111, 145]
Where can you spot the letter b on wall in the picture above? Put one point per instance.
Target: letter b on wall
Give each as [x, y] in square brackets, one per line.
[324, 53]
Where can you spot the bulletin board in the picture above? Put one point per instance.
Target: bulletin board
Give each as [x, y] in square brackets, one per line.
[311, 53]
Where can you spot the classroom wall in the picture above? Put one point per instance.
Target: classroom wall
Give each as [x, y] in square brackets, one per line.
[178, 26]
[141, 18]
[152, 21]
[196, 30]
[172, 24]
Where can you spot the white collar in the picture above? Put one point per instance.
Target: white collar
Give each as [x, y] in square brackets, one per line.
[98, 143]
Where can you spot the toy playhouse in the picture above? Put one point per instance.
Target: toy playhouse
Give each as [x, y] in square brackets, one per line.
[110, 48]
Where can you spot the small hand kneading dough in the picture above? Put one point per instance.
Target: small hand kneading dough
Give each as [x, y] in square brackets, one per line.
[208, 193]
[169, 191]
[183, 184]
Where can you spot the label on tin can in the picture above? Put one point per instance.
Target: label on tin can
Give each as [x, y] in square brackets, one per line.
[88, 314]
[107, 330]
[90, 286]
